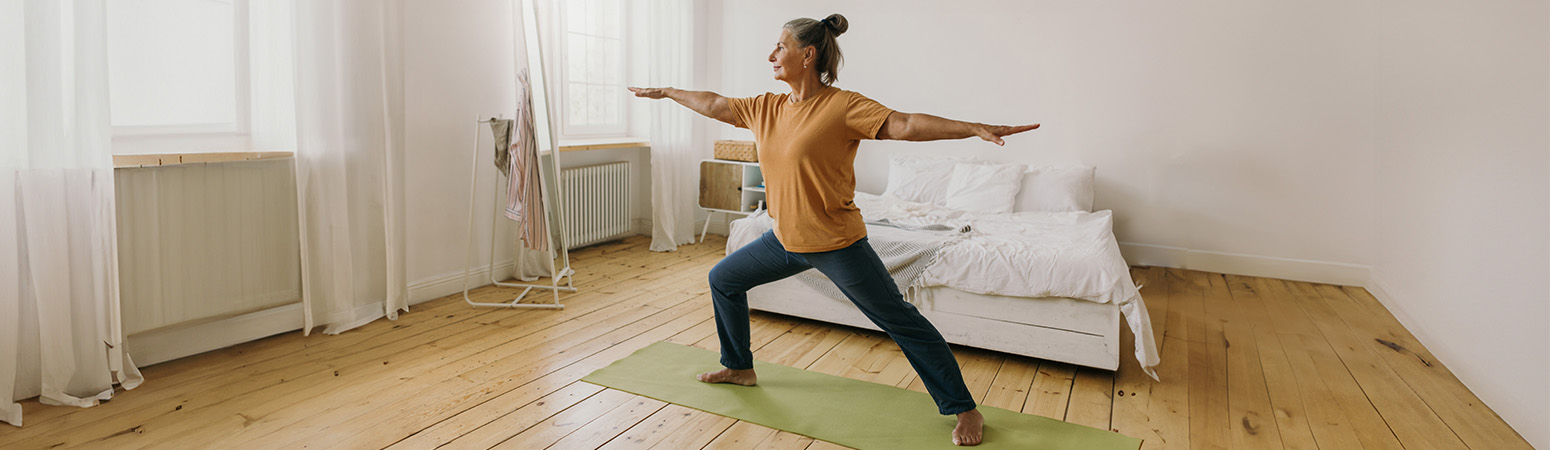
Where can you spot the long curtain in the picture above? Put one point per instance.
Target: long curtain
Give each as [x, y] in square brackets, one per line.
[349, 161]
[60, 333]
[673, 181]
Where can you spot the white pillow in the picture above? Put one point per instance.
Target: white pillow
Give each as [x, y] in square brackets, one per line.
[919, 179]
[986, 188]
[1057, 188]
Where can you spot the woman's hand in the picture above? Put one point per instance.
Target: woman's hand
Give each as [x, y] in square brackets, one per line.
[926, 127]
[652, 93]
[708, 104]
[993, 133]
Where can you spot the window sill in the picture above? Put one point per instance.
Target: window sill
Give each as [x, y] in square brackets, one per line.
[172, 159]
[574, 145]
[176, 158]
[153, 150]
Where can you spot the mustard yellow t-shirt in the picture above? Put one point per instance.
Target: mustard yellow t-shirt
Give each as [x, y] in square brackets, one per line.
[807, 151]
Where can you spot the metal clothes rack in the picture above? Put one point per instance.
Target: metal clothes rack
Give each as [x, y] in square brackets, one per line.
[556, 272]
[543, 128]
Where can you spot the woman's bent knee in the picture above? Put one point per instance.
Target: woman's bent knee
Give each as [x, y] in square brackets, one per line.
[721, 280]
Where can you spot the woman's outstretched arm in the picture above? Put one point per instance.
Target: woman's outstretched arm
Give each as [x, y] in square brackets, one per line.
[926, 127]
[708, 104]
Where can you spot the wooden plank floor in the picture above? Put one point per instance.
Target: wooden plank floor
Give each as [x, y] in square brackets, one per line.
[1248, 363]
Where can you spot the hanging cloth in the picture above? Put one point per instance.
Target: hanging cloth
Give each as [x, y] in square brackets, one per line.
[524, 195]
[501, 128]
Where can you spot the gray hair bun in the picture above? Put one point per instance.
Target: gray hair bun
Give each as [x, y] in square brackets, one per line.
[836, 23]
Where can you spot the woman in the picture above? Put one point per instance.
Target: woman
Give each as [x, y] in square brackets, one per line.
[807, 147]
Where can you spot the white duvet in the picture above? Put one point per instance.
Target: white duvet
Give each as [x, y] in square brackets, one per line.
[1029, 254]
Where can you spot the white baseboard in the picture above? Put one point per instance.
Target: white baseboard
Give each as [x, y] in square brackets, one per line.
[1385, 295]
[175, 342]
[433, 288]
[1241, 264]
[1518, 414]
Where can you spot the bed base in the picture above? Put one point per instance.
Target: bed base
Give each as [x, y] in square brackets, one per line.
[1061, 329]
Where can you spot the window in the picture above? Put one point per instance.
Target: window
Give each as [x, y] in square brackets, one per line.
[188, 76]
[593, 68]
[174, 67]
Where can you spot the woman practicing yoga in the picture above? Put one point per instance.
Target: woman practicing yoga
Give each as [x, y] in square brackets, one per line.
[807, 149]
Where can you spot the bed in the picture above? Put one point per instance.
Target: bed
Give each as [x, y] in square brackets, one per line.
[1039, 276]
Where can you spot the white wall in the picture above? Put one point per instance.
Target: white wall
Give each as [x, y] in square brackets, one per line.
[1463, 254]
[459, 62]
[1228, 136]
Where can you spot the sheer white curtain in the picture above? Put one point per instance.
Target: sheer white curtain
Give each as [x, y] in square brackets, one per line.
[673, 181]
[60, 334]
[349, 161]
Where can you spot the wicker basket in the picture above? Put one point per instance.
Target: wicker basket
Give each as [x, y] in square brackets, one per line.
[736, 151]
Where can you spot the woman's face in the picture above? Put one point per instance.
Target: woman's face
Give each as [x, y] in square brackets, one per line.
[788, 57]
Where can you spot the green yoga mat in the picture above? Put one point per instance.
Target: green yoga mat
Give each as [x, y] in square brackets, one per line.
[848, 412]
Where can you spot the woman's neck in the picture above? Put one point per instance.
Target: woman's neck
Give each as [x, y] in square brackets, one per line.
[805, 88]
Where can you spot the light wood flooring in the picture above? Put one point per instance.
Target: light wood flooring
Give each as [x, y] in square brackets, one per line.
[1248, 363]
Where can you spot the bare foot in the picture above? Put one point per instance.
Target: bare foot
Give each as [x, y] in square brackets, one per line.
[744, 377]
[970, 429]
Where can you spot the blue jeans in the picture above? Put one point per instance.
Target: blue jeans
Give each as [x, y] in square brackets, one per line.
[860, 274]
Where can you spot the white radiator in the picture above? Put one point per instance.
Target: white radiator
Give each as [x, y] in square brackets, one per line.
[597, 203]
[199, 242]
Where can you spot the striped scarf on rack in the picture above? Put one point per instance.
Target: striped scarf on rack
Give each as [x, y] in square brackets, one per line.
[524, 195]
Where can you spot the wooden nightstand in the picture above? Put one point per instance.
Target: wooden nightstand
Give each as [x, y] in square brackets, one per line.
[730, 187]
